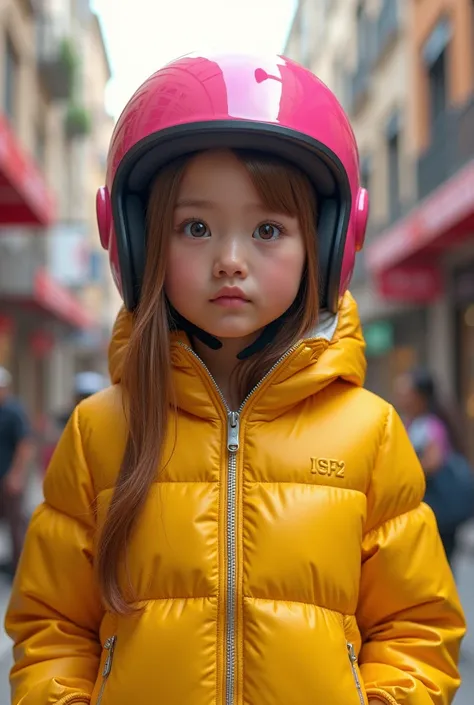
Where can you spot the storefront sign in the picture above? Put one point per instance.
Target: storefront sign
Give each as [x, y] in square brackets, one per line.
[414, 284]
[41, 343]
[451, 204]
[378, 337]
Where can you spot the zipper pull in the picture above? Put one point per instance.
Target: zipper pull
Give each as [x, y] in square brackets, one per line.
[352, 653]
[353, 660]
[109, 646]
[233, 431]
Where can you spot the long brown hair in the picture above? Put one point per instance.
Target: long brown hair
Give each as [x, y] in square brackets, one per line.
[283, 188]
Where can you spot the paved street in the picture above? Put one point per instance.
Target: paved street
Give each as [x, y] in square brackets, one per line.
[465, 576]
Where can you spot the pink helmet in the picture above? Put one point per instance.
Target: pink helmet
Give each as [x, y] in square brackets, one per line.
[269, 104]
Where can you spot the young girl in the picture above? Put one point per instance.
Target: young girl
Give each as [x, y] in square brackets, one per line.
[235, 521]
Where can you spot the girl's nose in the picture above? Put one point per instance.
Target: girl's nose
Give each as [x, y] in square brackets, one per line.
[231, 259]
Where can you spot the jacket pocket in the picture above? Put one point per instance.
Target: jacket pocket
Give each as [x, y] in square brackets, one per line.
[109, 647]
[355, 672]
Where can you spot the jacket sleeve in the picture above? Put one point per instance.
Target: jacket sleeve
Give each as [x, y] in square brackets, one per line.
[409, 613]
[55, 610]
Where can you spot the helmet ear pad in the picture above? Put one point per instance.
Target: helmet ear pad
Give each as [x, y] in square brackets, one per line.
[328, 217]
[131, 245]
[361, 218]
[104, 216]
[108, 238]
[126, 252]
[136, 217]
[355, 237]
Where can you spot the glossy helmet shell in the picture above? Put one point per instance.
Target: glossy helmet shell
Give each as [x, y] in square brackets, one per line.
[270, 104]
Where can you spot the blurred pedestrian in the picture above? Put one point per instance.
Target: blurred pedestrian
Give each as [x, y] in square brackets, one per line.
[15, 453]
[85, 385]
[438, 441]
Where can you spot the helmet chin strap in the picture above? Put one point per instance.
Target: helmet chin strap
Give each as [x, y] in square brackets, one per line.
[265, 337]
[179, 322]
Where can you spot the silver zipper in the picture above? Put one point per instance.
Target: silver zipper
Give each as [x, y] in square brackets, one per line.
[353, 659]
[289, 352]
[233, 428]
[109, 646]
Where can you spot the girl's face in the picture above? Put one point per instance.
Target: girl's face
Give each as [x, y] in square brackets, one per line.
[234, 266]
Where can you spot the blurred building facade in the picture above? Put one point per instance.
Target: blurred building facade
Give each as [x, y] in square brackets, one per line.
[56, 299]
[404, 71]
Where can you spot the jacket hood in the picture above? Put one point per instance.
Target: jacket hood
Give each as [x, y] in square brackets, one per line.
[334, 351]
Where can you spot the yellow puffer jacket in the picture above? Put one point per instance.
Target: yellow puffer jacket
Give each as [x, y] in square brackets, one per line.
[283, 555]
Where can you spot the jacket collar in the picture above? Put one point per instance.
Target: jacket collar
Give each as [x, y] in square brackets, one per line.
[334, 350]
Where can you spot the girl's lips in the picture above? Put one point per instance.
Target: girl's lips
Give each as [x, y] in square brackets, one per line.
[230, 301]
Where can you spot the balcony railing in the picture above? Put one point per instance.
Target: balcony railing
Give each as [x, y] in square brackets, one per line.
[451, 146]
[56, 58]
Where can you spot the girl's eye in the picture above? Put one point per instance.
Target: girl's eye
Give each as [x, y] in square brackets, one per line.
[268, 231]
[196, 229]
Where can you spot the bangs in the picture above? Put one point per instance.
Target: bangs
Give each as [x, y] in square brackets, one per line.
[282, 187]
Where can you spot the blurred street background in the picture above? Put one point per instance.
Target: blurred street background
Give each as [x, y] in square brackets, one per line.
[404, 72]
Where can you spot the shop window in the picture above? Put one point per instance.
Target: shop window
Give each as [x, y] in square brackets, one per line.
[437, 83]
[10, 79]
[363, 36]
[393, 166]
[435, 56]
[359, 80]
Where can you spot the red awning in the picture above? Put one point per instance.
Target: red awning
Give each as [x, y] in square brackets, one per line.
[24, 196]
[56, 299]
[52, 300]
[444, 218]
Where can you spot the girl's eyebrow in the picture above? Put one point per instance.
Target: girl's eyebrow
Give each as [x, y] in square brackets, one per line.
[202, 203]
[194, 203]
